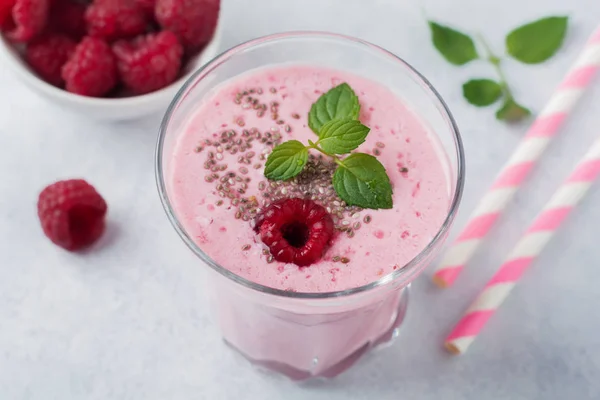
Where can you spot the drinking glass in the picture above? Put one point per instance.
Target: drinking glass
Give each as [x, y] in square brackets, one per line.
[304, 335]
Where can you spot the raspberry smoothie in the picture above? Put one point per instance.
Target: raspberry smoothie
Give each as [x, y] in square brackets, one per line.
[219, 193]
[275, 108]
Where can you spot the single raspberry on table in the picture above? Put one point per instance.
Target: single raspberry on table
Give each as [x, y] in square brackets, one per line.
[29, 18]
[295, 230]
[146, 5]
[72, 213]
[47, 55]
[92, 68]
[6, 7]
[115, 19]
[67, 17]
[193, 21]
[148, 63]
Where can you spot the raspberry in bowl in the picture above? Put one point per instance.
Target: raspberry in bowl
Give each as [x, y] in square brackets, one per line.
[109, 59]
[316, 176]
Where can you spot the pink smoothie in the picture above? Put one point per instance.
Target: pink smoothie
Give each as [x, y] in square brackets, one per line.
[274, 104]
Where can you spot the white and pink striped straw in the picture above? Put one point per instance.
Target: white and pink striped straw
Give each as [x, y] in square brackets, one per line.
[522, 161]
[525, 252]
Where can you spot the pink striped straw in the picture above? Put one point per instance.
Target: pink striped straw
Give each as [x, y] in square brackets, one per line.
[525, 252]
[522, 161]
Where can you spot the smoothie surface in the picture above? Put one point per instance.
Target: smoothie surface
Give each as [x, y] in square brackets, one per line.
[250, 114]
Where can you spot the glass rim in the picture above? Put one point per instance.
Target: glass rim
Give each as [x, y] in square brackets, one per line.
[403, 271]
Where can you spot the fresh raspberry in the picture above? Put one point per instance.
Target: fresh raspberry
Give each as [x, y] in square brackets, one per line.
[146, 5]
[6, 7]
[48, 54]
[72, 213]
[295, 230]
[148, 63]
[29, 18]
[193, 21]
[115, 19]
[92, 69]
[67, 17]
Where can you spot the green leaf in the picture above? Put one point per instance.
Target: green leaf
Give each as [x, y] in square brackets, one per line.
[341, 136]
[482, 92]
[286, 160]
[363, 181]
[338, 103]
[511, 111]
[455, 46]
[537, 41]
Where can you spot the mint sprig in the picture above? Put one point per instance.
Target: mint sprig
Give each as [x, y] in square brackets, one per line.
[286, 160]
[532, 43]
[482, 92]
[537, 41]
[456, 47]
[341, 136]
[338, 103]
[359, 179]
[363, 180]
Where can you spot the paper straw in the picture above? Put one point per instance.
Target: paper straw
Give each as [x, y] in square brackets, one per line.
[525, 252]
[523, 160]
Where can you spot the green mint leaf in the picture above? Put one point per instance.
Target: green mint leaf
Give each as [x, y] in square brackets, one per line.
[341, 136]
[338, 103]
[511, 111]
[286, 160]
[363, 181]
[537, 41]
[482, 92]
[455, 46]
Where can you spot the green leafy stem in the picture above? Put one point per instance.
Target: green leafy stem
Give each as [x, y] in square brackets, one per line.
[359, 179]
[531, 43]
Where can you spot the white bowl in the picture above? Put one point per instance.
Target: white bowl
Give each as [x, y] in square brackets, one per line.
[106, 108]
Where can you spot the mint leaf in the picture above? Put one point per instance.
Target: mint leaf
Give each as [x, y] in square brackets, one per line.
[286, 160]
[537, 41]
[341, 136]
[361, 180]
[482, 92]
[455, 46]
[338, 103]
[511, 111]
